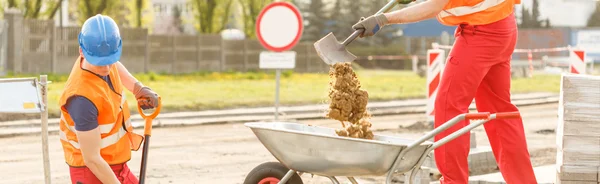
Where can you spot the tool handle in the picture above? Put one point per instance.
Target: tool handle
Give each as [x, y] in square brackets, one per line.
[154, 114]
[353, 36]
[148, 118]
[144, 159]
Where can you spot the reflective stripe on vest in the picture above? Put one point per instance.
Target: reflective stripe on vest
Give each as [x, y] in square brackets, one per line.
[123, 98]
[466, 10]
[105, 142]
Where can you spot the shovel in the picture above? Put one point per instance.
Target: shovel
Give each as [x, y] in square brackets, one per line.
[331, 51]
[147, 132]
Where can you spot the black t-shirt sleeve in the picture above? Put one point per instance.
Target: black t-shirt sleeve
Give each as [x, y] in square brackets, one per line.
[83, 112]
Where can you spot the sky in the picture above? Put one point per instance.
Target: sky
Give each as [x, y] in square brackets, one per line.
[567, 13]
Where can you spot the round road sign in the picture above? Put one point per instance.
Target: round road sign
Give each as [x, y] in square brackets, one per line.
[279, 26]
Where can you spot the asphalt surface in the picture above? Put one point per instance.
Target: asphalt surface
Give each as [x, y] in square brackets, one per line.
[225, 153]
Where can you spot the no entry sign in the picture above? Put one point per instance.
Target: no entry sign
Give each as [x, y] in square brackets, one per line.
[279, 26]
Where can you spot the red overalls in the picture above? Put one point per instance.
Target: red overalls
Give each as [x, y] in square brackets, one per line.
[478, 66]
[83, 175]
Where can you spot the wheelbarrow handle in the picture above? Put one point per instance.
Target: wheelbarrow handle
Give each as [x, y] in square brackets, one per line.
[484, 117]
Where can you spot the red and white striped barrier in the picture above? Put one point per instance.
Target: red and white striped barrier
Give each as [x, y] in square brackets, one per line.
[576, 56]
[577, 61]
[435, 66]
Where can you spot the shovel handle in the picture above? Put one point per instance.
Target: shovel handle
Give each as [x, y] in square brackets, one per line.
[353, 36]
[148, 118]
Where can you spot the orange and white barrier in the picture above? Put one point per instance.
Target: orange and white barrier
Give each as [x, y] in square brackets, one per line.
[577, 61]
[435, 67]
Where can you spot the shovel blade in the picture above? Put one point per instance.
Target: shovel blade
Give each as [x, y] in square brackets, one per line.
[331, 51]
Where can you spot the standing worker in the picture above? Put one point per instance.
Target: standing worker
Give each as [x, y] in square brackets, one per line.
[478, 67]
[95, 129]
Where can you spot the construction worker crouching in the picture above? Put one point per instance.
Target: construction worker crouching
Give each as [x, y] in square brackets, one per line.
[95, 127]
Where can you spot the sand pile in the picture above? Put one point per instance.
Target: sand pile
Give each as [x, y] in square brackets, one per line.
[348, 103]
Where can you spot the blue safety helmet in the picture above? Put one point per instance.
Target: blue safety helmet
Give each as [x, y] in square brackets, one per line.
[100, 40]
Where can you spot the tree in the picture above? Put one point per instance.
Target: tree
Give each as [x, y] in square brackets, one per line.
[35, 9]
[594, 20]
[316, 16]
[177, 20]
[81, 10]
[211, 16]
[337, 26]
[531, 19]
[139, 13]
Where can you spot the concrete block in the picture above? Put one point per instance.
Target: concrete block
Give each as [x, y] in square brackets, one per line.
[577, 173]
[575, 182]
[578, 150]
[579, 104]
[473, 140]
[482, 158]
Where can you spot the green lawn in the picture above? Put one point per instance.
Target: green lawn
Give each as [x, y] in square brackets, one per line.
[224, 90]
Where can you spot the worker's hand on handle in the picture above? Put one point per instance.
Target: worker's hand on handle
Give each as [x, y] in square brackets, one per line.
[147, 99]
[371, 24]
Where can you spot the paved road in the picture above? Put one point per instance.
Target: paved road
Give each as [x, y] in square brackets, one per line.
[225, 153]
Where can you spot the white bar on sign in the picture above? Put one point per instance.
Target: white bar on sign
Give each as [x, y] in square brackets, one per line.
[277, 60]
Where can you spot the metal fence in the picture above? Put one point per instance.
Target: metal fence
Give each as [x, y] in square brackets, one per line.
[46, 48]
[3, 46]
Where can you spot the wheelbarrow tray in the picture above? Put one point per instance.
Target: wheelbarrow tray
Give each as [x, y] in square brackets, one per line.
[320, 151]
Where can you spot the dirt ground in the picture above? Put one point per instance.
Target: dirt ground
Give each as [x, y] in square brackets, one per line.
[226, 153]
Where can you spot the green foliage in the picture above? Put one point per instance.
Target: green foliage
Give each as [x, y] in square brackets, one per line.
[84, 9]
[133, 13]
[211, 16]
[140, 13]
[531, 19]
[211, 90]
[316, 17]
[34, 9]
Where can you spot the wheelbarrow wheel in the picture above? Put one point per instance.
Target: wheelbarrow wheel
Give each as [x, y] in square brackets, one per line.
[270, 173]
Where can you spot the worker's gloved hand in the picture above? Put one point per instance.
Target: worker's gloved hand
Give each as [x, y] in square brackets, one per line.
[147, 99]
[371, 24]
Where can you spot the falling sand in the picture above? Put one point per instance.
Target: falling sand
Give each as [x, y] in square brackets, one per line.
[348, 103]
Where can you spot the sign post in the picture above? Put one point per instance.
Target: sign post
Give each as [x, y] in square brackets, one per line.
[279, 27]
[27, 96]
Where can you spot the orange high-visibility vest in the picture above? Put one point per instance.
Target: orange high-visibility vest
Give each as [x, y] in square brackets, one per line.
[114, 124]
[475, 12]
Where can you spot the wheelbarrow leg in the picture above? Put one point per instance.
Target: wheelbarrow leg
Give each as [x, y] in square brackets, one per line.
[332, 178]
[287, 176]
[352, 180]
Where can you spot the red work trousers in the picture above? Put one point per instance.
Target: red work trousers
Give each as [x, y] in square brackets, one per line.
[83, 175]
[478, 66]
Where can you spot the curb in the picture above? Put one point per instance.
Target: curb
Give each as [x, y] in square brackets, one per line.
[32, 127]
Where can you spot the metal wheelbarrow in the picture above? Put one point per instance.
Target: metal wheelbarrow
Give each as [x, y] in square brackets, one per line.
[301, 148]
